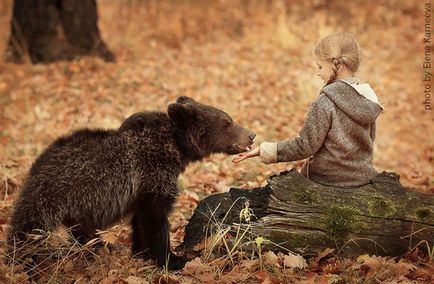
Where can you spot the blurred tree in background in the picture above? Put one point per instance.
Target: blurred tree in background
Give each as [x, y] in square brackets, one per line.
[50, 30]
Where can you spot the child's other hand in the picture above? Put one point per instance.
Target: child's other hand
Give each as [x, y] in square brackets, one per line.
[252, 153]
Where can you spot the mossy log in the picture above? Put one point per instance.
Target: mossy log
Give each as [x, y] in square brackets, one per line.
[382, 217]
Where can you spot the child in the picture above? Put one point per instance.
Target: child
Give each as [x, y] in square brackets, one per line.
[339, 130]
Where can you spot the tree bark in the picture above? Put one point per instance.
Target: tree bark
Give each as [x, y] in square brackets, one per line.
[51, 30]
[382, 217]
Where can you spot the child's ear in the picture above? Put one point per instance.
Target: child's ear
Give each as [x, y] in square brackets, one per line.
[181, 113]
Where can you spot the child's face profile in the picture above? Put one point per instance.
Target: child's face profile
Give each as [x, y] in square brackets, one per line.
[324, 69]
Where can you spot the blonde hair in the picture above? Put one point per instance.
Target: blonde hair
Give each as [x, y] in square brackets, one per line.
[339, 49]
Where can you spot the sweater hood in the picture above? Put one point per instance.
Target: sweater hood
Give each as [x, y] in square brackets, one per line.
[356, 100]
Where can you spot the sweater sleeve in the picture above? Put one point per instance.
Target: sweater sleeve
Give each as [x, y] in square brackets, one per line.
[310, 138]
[268, 152]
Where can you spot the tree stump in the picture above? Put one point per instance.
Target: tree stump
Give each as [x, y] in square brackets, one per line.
[382, 217]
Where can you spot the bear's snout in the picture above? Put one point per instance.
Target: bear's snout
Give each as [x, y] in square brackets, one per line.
[243, 142]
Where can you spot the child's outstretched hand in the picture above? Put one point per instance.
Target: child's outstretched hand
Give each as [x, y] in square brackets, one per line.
[252, 153]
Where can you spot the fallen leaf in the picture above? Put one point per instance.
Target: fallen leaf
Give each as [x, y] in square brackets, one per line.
[135, 280]
[192, 267]
[107, 280]
[250, 264]
[294, 261]
[314, 263]
[69, 266]
[261, 275]
[271, 258]
[203, 244]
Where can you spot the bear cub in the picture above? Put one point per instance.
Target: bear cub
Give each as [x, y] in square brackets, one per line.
[90, 179]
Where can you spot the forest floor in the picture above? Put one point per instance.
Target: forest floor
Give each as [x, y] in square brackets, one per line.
[253, 61]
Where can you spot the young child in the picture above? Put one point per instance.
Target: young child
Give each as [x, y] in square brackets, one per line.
[339, 130]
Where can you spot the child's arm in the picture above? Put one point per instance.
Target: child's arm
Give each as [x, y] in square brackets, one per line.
[309, 140]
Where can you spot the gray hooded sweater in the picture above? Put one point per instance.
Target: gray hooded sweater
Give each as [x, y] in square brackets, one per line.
[338, 136]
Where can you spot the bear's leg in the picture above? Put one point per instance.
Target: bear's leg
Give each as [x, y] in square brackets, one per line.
[26, 220]
[151, 230]
[82, 237]
[140, 247]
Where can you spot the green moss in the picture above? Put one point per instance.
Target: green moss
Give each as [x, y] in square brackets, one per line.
[342, 219]
[424, 212]
[305, 196]
[293, 240]
[379, 206]
[287, 238]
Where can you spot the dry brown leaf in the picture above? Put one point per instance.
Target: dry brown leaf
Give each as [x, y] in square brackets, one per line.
[135, 280]
[265, 278]
[402, 267]
[385, 267]
[203, 244]
[294, 261]
[110, 237]
[69, 266]
[314, 263]
[374, 261]
[261, 275]
[236, 275]
[421, 274]
[250, 264]
[271, 258]
[193, 266]
[107, 280]
[324, 253]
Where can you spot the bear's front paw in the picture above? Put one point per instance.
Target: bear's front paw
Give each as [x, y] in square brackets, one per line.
[176, 262]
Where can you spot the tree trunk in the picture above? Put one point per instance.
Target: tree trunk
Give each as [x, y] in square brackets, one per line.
[382, 218]
[50, 30]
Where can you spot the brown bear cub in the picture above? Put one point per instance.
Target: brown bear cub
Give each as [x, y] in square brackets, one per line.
[90, 179]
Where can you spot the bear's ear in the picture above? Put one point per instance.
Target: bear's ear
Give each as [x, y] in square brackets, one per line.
[181, 113]
[184, 99]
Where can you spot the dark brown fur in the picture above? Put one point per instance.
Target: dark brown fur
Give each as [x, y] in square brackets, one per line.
[92, 178]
